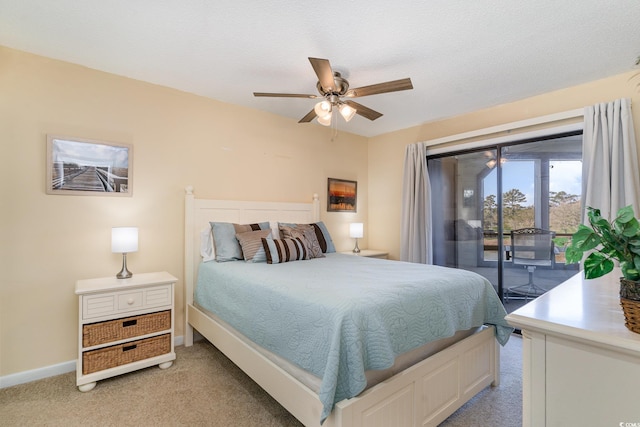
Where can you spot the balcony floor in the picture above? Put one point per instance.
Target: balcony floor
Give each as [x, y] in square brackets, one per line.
[513, 276]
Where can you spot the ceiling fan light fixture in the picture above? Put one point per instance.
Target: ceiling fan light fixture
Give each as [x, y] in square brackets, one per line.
[323, 108]
[347, 111]
[332, 87]
[325, 120]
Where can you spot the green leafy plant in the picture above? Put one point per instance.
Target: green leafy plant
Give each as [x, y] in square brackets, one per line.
[607, 241]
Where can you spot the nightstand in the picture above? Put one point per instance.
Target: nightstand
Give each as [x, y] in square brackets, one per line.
[124, 325]
[371, 253]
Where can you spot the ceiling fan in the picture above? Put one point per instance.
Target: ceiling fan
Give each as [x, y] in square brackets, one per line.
[333, 88]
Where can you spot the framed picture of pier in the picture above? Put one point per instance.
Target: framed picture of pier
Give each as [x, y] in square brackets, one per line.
[87, 167]
[342, 195]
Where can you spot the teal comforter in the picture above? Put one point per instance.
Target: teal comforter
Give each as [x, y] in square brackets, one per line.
[339, 316]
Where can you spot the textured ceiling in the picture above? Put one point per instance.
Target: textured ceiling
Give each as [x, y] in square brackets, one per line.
[460, 55]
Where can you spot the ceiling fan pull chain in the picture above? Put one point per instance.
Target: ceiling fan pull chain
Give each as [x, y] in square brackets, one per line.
[334, 126]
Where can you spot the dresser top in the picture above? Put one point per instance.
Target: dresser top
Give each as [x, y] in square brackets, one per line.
[112, 283]
[580, 309]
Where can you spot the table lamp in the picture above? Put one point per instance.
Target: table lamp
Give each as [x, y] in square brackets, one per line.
[356, 231]
[124, 240]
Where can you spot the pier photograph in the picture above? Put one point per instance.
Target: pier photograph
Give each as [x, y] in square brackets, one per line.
[77, 166]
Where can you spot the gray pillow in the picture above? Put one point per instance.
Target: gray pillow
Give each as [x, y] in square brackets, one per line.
[251, 243]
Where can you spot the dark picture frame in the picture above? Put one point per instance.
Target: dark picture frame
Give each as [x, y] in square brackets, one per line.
[88, 167]
[342, 195]
[468, 197]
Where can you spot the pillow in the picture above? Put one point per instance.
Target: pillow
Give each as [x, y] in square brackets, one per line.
[308, 235]
[251, 244]
[206, 245]
[284, 250]
[225, 242]
[322, 234]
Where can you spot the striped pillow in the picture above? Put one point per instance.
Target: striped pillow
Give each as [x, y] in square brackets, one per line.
[251, 243]
[284, 250]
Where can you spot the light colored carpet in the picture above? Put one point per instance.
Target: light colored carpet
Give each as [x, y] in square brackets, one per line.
[203, 388]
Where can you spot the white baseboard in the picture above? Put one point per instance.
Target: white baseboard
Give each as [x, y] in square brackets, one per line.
[37, 374]
[50, 371]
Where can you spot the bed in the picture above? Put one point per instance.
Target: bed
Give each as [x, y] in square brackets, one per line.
[421, 387]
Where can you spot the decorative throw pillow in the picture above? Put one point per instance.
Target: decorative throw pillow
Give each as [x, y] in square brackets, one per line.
[308, 235]
[225, 242]
[322, 234]
[251, 244]
[284, 250]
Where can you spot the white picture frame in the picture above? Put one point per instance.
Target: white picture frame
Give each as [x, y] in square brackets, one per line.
[77, 166]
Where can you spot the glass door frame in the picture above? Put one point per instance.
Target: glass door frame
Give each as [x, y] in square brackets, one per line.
[541, 216]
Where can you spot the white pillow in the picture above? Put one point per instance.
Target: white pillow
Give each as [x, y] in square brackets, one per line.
[206, 245]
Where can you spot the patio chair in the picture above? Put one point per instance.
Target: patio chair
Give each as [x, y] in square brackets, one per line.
[531, 248]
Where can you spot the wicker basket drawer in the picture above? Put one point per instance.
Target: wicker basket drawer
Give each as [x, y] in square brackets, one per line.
[110, 357]
[121, 329]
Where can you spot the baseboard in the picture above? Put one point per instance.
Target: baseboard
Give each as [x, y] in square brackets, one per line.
[50, 371]
[37, 374]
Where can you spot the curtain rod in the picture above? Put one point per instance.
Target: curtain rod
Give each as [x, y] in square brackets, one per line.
[507, 127]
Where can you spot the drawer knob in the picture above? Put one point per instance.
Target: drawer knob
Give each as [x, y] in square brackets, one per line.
[130, 301]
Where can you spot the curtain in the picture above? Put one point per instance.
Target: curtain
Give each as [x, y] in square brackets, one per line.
[610, 174]
[415, 241]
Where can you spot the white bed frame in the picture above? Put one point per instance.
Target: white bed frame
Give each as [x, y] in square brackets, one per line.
[424, 394]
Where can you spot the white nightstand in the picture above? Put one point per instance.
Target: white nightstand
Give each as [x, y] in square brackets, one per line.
[371, 253]
[124, 325]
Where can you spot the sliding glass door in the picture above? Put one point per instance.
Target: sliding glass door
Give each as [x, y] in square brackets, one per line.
[507, 212]
[465, 234]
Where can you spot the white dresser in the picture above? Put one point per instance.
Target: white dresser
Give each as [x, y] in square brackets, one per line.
[124, 325]
[581, 365]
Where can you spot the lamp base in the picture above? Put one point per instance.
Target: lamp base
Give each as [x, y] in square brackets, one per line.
[124, 273]
[356, 250]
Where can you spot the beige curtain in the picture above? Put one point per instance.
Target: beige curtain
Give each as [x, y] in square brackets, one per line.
[610, 174]
[415, 240]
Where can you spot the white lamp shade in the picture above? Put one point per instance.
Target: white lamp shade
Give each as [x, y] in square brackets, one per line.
[325, 120]
[347, 111]
[322, 108]
[356, 230]
[124, 239]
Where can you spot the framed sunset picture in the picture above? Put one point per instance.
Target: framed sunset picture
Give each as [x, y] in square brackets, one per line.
[342, 195]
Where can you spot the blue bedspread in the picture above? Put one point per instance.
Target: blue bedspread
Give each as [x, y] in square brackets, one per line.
[341, 315]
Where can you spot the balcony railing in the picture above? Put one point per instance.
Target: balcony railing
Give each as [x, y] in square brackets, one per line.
[490, 246]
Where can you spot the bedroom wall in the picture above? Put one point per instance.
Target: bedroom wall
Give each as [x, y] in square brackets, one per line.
[179, 139]
[386, 152]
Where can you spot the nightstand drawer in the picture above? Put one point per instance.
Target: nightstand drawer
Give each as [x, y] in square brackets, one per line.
[128, 327]
[110, 357]
[106, 304]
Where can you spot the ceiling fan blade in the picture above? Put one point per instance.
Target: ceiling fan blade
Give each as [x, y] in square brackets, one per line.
[310, 116]
[286, 95]
[323, 70]
[392, 86]
[364, 111]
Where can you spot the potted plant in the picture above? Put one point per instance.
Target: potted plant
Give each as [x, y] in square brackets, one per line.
[606, 242]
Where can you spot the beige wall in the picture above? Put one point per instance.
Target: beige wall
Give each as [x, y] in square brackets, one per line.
[386, 152]
[50, 241]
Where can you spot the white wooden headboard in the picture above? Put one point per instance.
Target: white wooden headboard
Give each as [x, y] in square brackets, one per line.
[199, 212]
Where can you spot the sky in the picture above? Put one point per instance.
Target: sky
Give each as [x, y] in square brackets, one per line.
[563, 176]
[85, 153]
